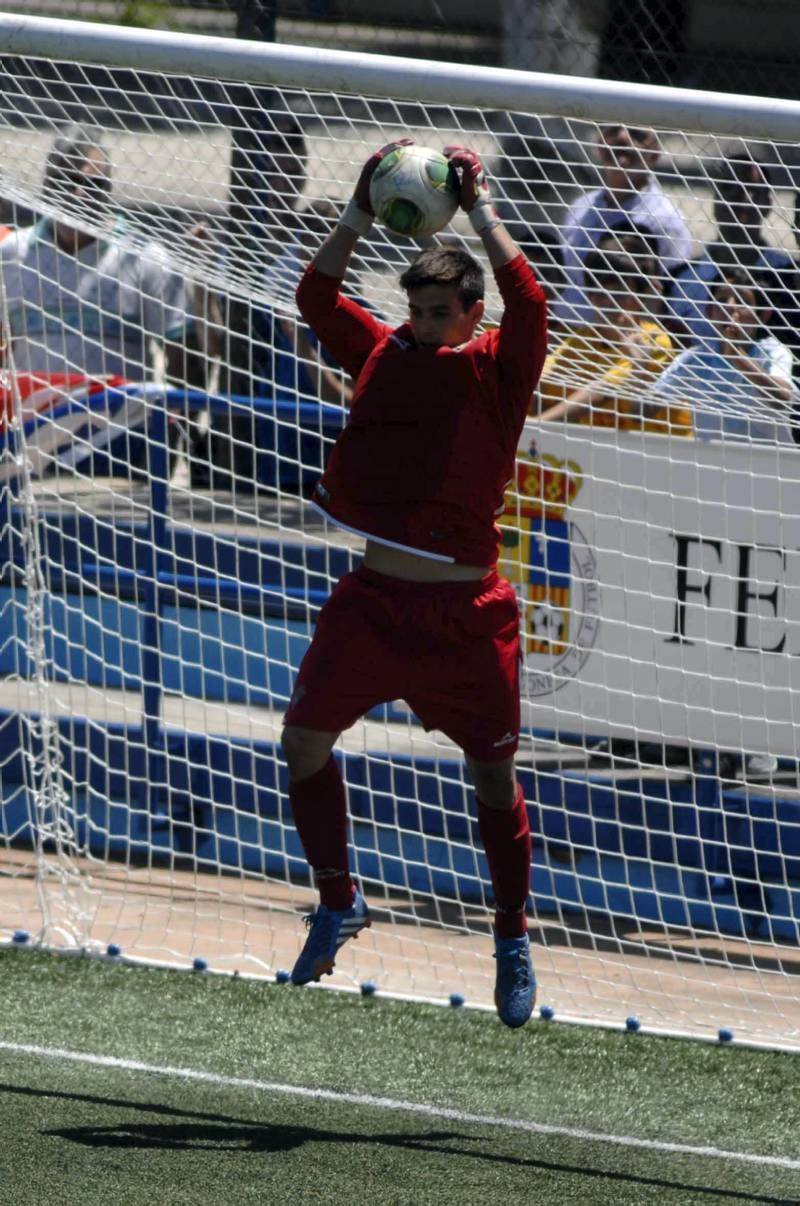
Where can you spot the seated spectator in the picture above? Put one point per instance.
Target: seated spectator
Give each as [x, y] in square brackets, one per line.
[791, 329]
[257, 344]
[76, 302]
[80, 303]
[739, 380]
[271, 353]
[602, 375]
[742, 201]
[642, 245]
[629, 192]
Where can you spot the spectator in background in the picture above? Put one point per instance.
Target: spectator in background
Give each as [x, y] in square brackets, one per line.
[742, 201]
[739, 379]
[76, 301]
[540, 245]
[278, 359]
[602, 374]
[268, 231]
[79, 302]
[539, 167]
[794, 319]
[629, 192]
[792, 336]
[642, 245]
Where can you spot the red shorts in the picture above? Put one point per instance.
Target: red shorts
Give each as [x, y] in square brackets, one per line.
[449, 649]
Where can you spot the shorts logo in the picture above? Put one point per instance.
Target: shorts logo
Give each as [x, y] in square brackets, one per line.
[506, 739]
[554, 571]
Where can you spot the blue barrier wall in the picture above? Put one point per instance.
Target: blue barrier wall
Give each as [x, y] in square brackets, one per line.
[646, 850]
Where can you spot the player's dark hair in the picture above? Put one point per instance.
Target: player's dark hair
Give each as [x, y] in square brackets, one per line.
[447, 266]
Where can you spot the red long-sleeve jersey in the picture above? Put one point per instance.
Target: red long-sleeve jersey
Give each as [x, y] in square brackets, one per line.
[429, 446]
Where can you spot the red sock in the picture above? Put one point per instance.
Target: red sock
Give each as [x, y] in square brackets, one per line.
[506, 838]
[319, 808]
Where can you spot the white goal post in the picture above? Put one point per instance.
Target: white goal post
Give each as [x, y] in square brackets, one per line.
[164, 414]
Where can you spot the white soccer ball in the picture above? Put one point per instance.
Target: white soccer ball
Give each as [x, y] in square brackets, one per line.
[414, 191]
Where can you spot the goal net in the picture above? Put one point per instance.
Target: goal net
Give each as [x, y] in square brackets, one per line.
[166, 415]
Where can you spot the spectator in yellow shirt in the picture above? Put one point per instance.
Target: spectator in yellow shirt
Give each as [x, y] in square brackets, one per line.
[603, 375]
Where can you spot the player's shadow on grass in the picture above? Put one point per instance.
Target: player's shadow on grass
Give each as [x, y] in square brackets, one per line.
[203, 1132]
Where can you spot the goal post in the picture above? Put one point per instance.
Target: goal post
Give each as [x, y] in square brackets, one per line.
[387, 76]
[165, 415]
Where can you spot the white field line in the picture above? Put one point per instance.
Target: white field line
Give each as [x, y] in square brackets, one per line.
[405, 1107]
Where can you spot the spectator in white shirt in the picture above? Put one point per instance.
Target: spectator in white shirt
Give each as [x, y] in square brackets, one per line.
[630, 193]
[79, 302]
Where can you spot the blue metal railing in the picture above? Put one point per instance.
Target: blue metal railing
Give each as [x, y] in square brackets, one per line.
[154, 579]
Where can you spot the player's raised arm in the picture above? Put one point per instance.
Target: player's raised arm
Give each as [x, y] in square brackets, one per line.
[347, 330]
[475, 199]
[523, 331]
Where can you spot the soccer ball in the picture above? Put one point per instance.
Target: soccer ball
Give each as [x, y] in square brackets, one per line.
[414, 191]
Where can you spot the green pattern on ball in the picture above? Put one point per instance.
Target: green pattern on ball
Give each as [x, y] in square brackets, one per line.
[438, 172]
[403, 216]
[387, 163]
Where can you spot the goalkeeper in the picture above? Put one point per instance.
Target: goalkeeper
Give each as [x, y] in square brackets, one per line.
[420, 470]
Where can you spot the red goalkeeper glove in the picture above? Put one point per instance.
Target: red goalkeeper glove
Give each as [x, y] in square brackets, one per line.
[474, 196]
[361, 192]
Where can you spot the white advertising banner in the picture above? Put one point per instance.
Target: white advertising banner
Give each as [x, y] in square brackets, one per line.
[659, 581]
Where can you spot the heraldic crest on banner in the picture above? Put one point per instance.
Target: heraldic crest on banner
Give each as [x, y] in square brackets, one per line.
[546, 556]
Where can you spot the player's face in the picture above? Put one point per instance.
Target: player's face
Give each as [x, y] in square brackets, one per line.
[437, 316]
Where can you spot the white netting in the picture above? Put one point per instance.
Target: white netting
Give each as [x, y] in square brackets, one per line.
[166, 417]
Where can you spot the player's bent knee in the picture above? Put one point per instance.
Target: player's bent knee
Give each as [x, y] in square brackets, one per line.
[495, 782]
[305, 751]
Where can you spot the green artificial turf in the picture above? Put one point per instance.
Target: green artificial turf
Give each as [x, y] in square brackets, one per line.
[90, 1134]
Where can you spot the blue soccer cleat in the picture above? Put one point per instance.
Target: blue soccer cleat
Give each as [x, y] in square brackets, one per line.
[328, 929]
[515, 984]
